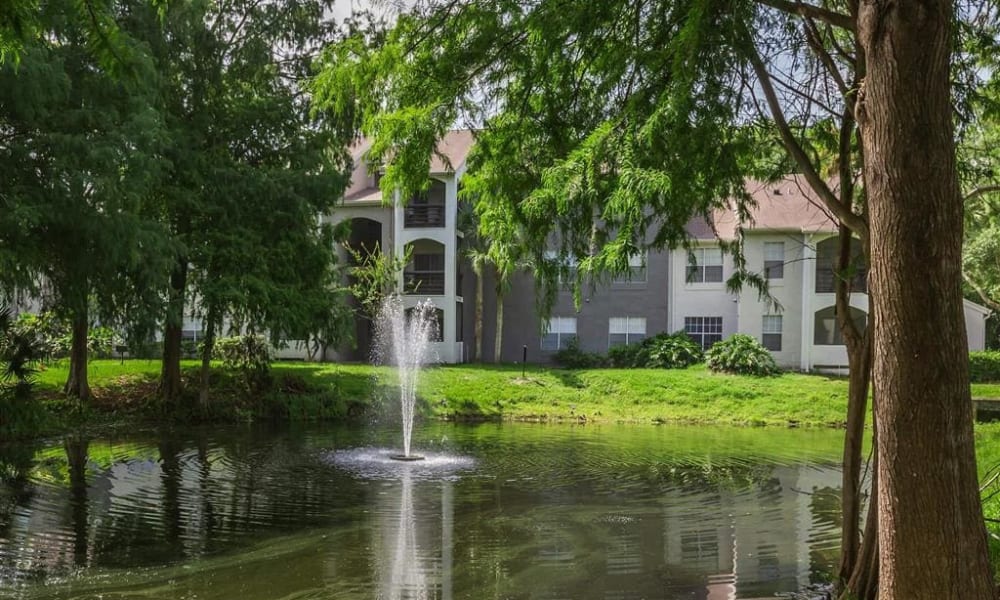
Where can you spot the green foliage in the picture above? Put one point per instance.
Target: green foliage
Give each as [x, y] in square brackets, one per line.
[572, 357]
[374, 276]
[52, 334]
[671, 351]
[20, 352]
[589, 141]
[627, 356]
[249, 355]
[984, 366]
[743, 355]
[662, 351]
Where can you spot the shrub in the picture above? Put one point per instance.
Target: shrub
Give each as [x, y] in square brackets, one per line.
[984, 366]
[670, 351]
[55, 339]
[20, 352]
[663, 351]
[743, 355]
[250, 355]
[572, 357]
[624, 357]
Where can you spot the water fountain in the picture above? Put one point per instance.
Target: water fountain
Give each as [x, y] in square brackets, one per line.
[403, 339]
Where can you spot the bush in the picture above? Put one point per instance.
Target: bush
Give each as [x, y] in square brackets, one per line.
[663, 351]
[670, 351]
[55, 338]
[572, 357]
[743, 355]
[984, 366]
[624, 357]
[250, 355]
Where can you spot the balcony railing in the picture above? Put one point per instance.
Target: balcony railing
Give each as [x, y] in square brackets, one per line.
[424, 215]
[826, 281]
[424, 283]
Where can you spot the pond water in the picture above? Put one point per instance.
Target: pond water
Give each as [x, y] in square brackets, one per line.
[510, 511]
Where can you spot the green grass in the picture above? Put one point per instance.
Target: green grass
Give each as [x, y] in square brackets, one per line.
[305, 391]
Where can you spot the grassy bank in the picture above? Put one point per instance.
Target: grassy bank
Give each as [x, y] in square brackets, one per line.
[317, 391]
[307, 391]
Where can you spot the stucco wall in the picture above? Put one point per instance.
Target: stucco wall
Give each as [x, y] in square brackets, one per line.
[700, 299]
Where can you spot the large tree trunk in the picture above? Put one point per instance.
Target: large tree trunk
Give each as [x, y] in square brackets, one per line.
[170, 374]
[932, 537]
[77, 384]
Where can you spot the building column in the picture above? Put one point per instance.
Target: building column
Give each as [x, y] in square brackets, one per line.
[808, 288]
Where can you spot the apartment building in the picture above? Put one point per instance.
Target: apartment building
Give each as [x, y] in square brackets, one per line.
[791, 242]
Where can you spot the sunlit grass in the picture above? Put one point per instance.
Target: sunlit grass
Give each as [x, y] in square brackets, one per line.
[501, 392]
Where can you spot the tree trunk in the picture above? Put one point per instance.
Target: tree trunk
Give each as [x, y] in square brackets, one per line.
[77, 384]
[170, 375]
[859, 359]
[498, 341]
[207, 345]
[863, 581]
[932, 538]
[479, 316]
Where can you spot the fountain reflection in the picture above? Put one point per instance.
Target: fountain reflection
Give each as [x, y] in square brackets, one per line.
[414, 544]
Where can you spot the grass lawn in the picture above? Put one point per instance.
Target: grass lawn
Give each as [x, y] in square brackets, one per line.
[500, 392]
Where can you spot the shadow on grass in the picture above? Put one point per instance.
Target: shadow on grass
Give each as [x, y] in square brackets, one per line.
[570, 379]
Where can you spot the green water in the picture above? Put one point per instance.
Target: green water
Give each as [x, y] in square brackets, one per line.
[496, 512]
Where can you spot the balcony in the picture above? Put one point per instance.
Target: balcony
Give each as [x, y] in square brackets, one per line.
[424, 215]
[423, 283]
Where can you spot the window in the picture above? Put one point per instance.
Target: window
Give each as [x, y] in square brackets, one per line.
[559, 332]
[707, 266]
[566, 265]
[626, 330]
[704, 330]
[636, 270]
[771, 332]
[827, 273]
[774, 260]
[826, 329]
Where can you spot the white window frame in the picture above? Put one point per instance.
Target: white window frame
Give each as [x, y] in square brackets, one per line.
[770, 332]
[774, 260]
[564, 330]
[636, 270]
[633, 328]
[568, 262]
[704, 330]
[705, 258]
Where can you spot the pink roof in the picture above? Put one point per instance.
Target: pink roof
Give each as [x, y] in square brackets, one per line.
[788, 204]
[455, 148]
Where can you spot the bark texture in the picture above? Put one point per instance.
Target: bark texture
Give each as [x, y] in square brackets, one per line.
[77, 384]
[479, 316]
[931, 534]
[859, 358]
[170, 374]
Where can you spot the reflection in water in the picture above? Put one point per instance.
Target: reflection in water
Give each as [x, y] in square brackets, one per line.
[540, 513]
[417, 566]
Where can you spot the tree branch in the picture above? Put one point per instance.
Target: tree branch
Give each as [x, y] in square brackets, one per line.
[979, 191]
[995, 306]
[832, 202]
[814, 12]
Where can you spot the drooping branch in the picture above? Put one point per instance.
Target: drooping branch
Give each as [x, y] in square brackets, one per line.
[798, 154]
[981, 292]
[813, 12]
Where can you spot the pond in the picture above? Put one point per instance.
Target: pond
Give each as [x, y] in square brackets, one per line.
[498, 511]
